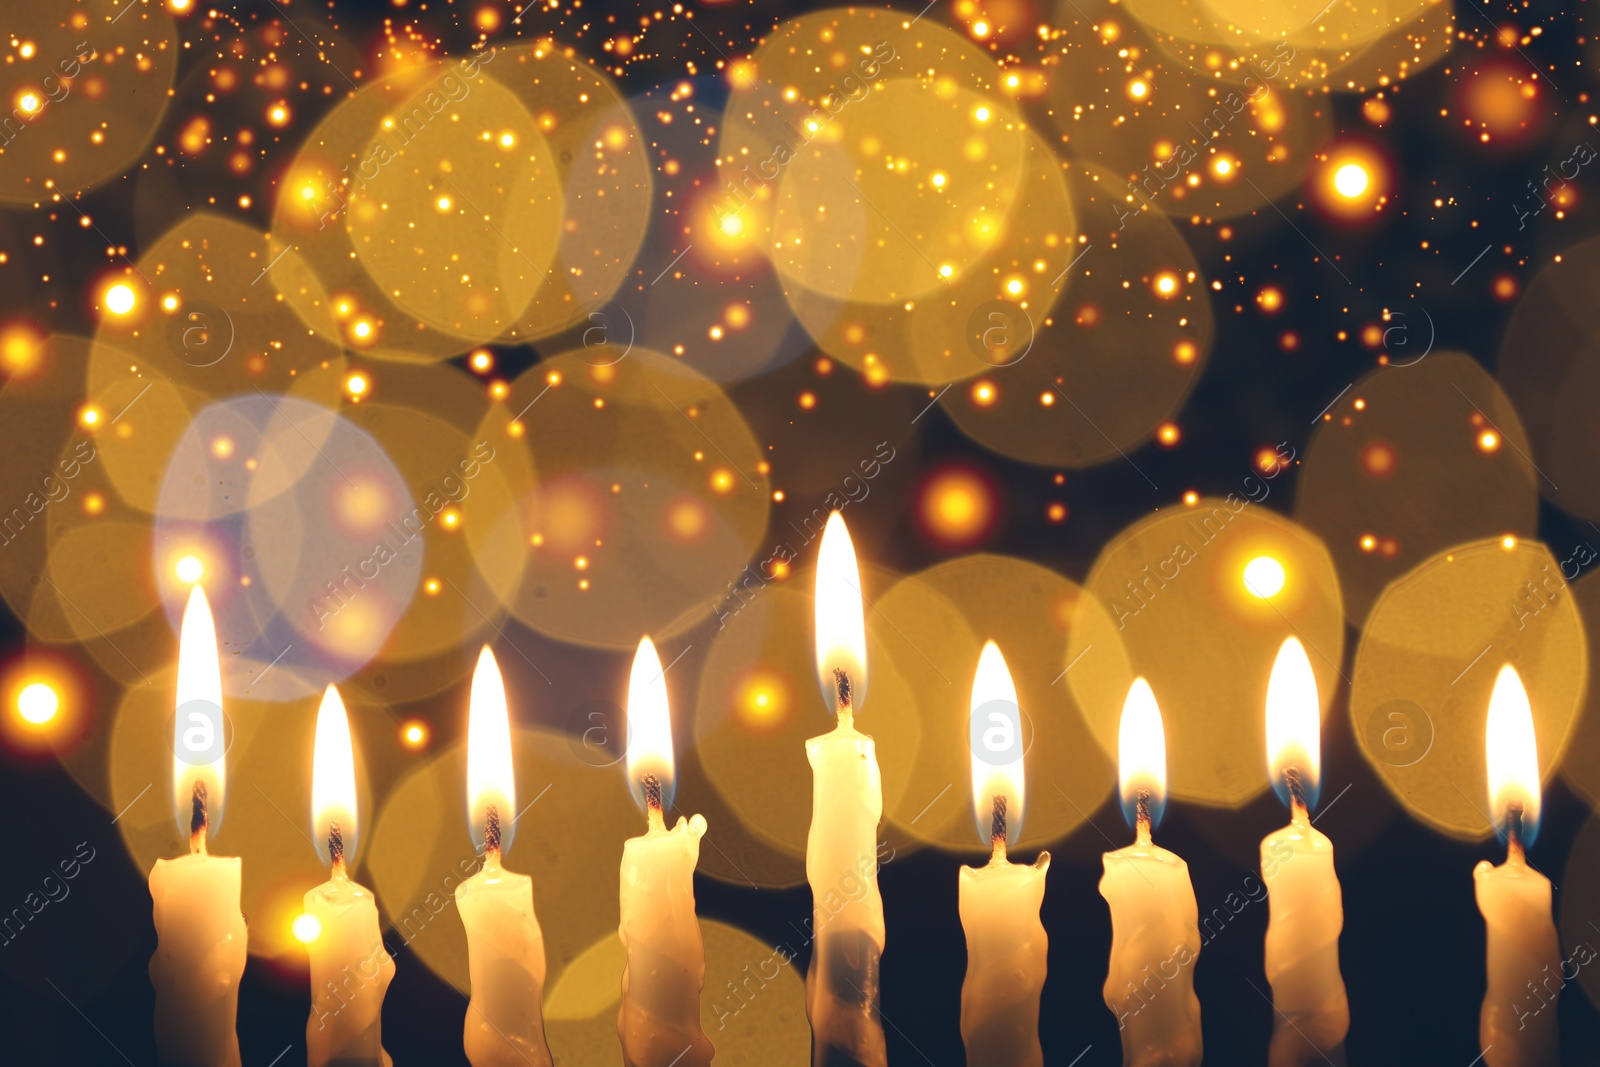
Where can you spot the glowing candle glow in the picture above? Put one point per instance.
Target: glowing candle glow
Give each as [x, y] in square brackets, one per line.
[350, 968]
[659, 1024]
[202, 941]
[1514, 898]
[841, 848]
[1307, 909]
[999, 903]
[1155, 938]
[505, 947]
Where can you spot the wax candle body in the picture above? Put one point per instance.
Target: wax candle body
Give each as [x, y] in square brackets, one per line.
[505, 960]
[847, 910]
[199, 959]
[1155, 941]
[1006, 949]
[1302, 951]
[350, 971]
[659, 1024]
[1522, 951]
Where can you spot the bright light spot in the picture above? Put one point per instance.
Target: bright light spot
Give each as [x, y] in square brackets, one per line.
[1165, 284]
[307, 928]
[1138, 90]
[1168, 433]
[731, 225]
[443, 205]
[482, 360]
[278, 114]
[508, 139]
[189, 569]
[946, 270]
[38, 703]
[1489, 441]
[982, 114]
[1263, 577]
[414, 734]
[356, 384]
[985, 393]
[120, 299]
[89, 416]
[29, 102]
[722, 480]
[1351, 180]
[1508, 542]
[938, 179]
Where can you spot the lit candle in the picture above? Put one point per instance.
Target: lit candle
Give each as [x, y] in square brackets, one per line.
[1155, 936]
[505, 947]
[1307, 911]
[1006, 942]
[1514, 898]
[201, 937]
[350, 968]
[841, 848]
[659, 1024]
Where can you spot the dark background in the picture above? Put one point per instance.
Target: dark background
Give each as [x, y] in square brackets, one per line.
[1413, 944]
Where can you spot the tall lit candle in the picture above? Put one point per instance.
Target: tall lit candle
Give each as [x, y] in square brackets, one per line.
[350, 968]
[999, 903]
[841, 849]
[1155, 936]
[505, 947]
[659, 1024]
[201, 937]
[1514, 898]
[1303, 897]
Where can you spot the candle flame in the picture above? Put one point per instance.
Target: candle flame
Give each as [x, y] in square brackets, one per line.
[1294, 725]
[490, 781]
[996, 747]
[198, 743]
[841, 627]
[1513, 755]
[649, 724]
[333, 782]
[1142, 753]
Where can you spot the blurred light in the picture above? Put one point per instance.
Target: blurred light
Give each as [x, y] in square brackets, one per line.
[1264, 577]
[1294, 721]
[414, 734]
[120, 299]
[1165, 284]
[1512, 753]
[1489, 441]
[1142, 752]
[306, 928]
[1351, 180]
[38, 703]
[957, 506]
[189, 569]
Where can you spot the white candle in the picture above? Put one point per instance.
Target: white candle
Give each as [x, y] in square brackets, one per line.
[1514, 898]
[201, 937]
[505, 947]
[350, 968]
[841, 848]
[1155, 937]
[659, 1024]
[1307, 912]
[999, 903]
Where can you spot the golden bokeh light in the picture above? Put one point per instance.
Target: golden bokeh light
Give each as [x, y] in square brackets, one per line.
[37, 703]
[1263, 577]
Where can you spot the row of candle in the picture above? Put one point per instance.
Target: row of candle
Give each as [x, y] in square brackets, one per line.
[1155, 937]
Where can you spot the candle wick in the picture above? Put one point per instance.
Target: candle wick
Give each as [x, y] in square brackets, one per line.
[841, 682]
[491, 831]
[652, 802]
[1141, 818]
[1515, 850]
[336, 847]
[1298, 808]
[997, 830]
[197, 819]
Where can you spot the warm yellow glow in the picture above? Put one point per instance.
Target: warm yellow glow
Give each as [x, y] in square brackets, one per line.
[994, 704]
[38, 703]
[306, 928]
[1512, 751]
[490, 780]
[333, 775]
[731, 225]
[443, 205]
[356, 384]
[199, 679]
[1142, 747]
[649, 720]
[189, 569]
[1351, 180]
[29, 102]
[1294, 718]
[120, 299]
[414, 734]
[841, 629]
[1264, 577]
